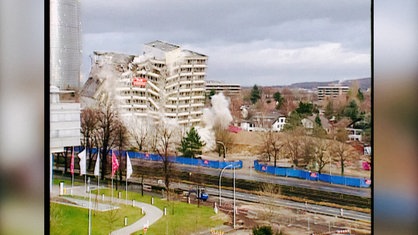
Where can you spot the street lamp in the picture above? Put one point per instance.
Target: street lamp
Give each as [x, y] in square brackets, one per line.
[220, 195]
[220, 180]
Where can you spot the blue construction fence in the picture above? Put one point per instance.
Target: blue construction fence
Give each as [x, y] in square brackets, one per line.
[313, 176]
[174, 159]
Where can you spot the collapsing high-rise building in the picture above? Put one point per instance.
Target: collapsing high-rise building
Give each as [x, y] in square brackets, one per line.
[164, 80]
[65, 44]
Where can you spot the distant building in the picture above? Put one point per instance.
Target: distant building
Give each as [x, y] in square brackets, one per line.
[65, 44]
[331, 91]
[226, 88]
[164, 80]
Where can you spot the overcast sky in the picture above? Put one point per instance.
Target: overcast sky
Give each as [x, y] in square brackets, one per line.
[277, 42]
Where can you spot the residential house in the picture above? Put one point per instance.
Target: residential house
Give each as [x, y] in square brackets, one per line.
[262, 122]
[355, 130]
[309, 123]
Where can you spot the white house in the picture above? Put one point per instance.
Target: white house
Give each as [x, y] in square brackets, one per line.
[279, 123]
[262, 122]
[354, 134]
[309, 123]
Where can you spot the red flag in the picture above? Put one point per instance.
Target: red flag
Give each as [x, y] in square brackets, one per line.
[72, 162]
[115, 163]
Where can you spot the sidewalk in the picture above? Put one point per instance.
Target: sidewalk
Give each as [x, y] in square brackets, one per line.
[152, 213]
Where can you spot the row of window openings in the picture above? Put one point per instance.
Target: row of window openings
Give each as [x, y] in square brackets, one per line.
[197, 61]
[142, 110]
[143, 94]
[65, 133]
[189, 70]
[183, 110]
[186, 86]
[154, 80]
[65, 117]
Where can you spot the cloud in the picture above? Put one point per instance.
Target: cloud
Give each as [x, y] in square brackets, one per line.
[284, 63]
[248, 41]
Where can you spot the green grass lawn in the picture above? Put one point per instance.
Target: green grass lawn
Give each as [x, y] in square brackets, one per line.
[67, 220]
[67, 183]
[181, 218]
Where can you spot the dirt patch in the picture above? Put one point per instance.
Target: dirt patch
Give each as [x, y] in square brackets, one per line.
[292, 221]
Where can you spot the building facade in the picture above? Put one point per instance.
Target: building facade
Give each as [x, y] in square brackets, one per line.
[65, 123]
[331, 91]
[65, 44]
[165, 80]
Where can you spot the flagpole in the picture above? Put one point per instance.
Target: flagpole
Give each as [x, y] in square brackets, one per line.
[112, 177]
[126, 179]
[126, 190]
[85, 165]
[72, 173]
[128, 173]
[98, 184]
[89, 208]
[98, 171]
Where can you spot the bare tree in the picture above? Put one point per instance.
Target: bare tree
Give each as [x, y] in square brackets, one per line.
[321, 154]
[339, 132]
[342, 152]
[121, 142]
[139, 129]
[293, 142]
[225, 137]
[107, 117]
[89, 124]
[307, 149]
[288, 105]
[271, 145]
[165, 145]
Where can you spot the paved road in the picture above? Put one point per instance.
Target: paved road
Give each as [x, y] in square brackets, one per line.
[251, 174]
[152, 213]
[331, 211]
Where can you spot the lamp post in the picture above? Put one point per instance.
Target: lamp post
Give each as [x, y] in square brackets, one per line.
[220, 195]
[235, 209]
[220, 180]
